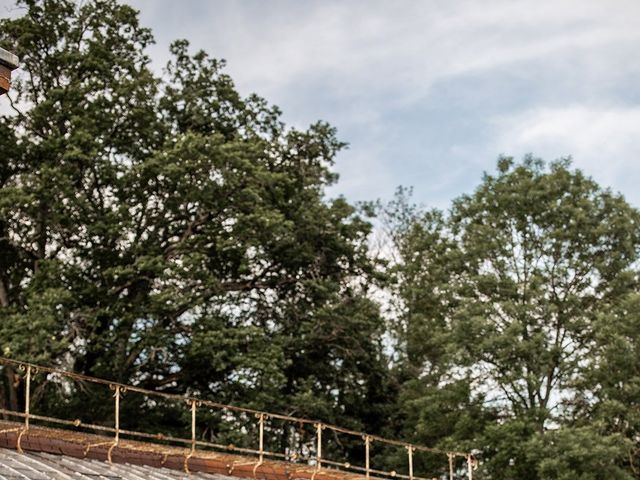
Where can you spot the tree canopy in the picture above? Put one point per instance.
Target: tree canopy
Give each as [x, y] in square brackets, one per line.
[505, 302]
[169, 232]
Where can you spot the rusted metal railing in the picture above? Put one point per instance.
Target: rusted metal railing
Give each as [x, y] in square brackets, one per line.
[449, 468]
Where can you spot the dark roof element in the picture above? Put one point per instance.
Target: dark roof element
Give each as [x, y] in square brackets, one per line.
[8, 63]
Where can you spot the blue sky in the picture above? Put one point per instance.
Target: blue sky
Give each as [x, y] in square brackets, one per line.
[428, 93]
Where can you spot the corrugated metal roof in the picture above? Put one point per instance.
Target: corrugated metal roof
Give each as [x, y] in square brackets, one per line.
[45, 466]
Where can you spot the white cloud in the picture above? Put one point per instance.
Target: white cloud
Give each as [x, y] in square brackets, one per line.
[603, 141]
[396, 51]
[558, 78]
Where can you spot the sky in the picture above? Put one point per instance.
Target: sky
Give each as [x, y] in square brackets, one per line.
[429, 93]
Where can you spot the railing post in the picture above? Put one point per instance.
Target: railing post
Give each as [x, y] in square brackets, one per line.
[261, 416]
[194, 405]
[410, 450]
[450, 455]
[367, 442]
[117, 413]
[27, 401]
[118, 390]
[261, 448]
[27, 397]
[319, 427]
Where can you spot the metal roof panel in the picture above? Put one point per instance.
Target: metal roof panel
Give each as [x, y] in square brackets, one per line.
[45, 466]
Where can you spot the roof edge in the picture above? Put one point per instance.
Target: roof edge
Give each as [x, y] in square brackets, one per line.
[96, 447]
[8, 59]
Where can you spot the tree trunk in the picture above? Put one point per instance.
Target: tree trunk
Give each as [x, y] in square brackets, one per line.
[4, 294]
[11, 388]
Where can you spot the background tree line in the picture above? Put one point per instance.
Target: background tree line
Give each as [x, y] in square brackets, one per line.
[164, 230]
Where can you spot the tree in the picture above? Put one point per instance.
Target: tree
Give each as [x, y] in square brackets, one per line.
[70, 124]
[612, 386]
[167, 232]
[436, 404]
[507, 290]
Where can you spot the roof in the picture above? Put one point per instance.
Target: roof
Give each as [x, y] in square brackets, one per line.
[40, 453]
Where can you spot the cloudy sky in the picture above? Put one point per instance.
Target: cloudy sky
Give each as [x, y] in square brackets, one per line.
[429, 93]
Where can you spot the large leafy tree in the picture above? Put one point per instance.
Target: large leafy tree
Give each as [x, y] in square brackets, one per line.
[500, 303]
[169, 232]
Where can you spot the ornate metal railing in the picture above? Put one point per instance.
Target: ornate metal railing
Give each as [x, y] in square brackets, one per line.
[455, 464]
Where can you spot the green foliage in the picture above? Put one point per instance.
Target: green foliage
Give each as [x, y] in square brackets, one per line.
[612, 386]
[507, 300]
[579, 453]
[167, 232]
